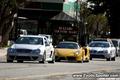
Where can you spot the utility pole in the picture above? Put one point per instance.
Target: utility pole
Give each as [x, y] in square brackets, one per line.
[77, 21]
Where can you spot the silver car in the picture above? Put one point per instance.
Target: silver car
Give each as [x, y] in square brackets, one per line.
[31, 48]
[102, 49]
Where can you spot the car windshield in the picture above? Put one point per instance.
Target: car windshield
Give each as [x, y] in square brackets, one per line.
[29, 40]
[67, 45]
[99, 44]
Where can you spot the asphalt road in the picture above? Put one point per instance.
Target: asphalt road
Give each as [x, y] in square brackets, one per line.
[58, 71]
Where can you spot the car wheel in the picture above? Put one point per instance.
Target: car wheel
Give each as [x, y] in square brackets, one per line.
[113, 59]
[116, 55]
[108, 59]
[90, 58]
[43, 59]
[9, 61]
[20, 61]
[57, 59]
[87, 60]
[81, 61]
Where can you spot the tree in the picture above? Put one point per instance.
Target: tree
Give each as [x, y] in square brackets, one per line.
[114, 17]
[7, 11]
[8, 8]
[96, 23]
[111, 8]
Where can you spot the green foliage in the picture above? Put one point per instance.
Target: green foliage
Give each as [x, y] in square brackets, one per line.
[96, 23]
[7, 10]
[100, 6]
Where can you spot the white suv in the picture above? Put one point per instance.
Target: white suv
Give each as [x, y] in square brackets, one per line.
[31, 48]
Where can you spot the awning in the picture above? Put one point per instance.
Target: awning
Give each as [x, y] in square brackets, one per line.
[37, 13]
[63, 17]
[49, 1]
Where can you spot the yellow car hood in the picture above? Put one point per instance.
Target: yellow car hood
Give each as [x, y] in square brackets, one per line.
[65, 52]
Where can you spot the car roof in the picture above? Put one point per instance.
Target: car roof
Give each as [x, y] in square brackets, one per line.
[33, 36]
[68, 42]
[44, 34]
[115, 39]
[99, 41]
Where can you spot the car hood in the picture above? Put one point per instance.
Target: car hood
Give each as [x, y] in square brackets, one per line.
[98, 48]
[65, 52]
[25, 46]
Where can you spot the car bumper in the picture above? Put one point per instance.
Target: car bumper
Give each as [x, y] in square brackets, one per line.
[105, 55]
[24, 57]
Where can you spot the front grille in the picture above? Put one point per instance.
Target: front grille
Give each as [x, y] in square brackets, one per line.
[100, 51]
[93, 51]
[27, 58]
[23, 50]
[97, 56]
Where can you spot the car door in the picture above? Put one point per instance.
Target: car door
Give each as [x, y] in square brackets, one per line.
[113, 50]
[118, 48]
[47, 47]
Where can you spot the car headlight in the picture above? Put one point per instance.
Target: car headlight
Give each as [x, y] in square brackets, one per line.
[11, 50]
[36, 51]
[76, 52]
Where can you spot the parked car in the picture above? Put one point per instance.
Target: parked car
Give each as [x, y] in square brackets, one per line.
[116, 43]
[31, 48]
[102, 49]
[71, 50]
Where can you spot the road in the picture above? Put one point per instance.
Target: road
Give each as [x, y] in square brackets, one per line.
[58, 71]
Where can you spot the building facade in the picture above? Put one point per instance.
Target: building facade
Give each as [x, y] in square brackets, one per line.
[58, 18]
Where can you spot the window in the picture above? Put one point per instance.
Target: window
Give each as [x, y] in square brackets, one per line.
[29, 40]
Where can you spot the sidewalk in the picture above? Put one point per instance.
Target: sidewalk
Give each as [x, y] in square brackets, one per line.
[3, 52]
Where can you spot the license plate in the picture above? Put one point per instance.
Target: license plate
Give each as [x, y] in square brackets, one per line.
[22, 54]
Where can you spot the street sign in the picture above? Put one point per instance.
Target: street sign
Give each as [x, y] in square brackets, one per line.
[70, 7]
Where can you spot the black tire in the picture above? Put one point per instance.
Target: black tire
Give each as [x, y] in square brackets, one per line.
[108, 59]
[43, 59]
[57, 59]
[87, 60]
[113, 59]
[117, 55]
[90, 58]
[80, 61]
[9, 61]
[19, 61]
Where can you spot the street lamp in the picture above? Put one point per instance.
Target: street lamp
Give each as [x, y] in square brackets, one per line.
[85, 32]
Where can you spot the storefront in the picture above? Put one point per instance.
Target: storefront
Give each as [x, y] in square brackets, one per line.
[48, 17]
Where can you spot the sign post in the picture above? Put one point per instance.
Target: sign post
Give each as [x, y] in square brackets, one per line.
[0, 38]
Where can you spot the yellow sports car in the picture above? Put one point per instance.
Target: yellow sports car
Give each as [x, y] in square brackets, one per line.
[71, 50]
